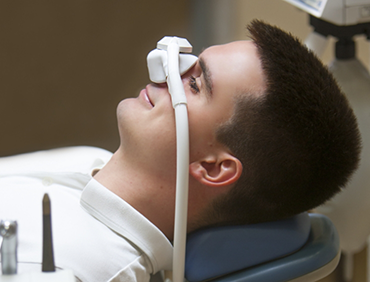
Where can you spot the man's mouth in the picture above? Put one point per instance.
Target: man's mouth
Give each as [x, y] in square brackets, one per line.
[147, 98]
[144, 95]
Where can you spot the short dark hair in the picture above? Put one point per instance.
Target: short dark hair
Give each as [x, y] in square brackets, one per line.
[298, 142]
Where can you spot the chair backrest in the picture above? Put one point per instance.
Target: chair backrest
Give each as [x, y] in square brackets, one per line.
[214, 252]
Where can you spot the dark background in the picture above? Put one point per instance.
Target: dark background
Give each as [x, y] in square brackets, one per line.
[65, 66]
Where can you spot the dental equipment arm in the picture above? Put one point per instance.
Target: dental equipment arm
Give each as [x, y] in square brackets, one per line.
[161, 67]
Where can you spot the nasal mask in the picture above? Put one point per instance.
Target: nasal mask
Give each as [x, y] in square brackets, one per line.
[166, 64]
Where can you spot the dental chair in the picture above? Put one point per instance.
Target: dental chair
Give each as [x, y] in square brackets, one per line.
[302, 248]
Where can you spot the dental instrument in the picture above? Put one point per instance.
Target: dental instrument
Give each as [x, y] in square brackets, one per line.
[47, 242]
[8, 232]
[168, 64]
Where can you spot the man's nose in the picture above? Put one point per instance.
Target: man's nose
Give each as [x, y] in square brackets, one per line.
[159, 86]
[162, 84]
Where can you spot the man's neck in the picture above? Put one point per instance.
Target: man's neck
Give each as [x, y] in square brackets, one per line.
[152, 197]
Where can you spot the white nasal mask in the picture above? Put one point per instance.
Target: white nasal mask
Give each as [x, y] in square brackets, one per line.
[157, 59]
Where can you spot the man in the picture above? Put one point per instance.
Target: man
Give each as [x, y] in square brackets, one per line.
[271, 135]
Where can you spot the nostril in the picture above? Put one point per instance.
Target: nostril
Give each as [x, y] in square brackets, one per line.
[163, 84]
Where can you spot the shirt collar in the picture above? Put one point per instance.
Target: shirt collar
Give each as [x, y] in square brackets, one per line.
[122, 218]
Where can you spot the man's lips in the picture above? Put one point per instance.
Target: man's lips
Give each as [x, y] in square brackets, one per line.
[145, 96]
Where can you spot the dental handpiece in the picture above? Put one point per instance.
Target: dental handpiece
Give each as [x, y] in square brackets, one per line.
[8, 232]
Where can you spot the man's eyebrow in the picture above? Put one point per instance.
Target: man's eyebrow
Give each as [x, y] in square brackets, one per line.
[206, 75]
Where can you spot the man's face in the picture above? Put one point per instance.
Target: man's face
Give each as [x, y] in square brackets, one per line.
[147, 123]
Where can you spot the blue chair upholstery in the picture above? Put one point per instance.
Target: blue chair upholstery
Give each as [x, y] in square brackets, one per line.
[273, 251]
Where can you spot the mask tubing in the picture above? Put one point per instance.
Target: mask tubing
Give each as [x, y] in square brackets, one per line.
[174, 81]
[179, 102]
[182, 184]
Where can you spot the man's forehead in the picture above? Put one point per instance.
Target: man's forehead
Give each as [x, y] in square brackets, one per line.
[240, 46]
[236, 42]
[236, 62]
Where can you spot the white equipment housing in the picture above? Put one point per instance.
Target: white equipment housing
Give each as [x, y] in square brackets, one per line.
[344, 12]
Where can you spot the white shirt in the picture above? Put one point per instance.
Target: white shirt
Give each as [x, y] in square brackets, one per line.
[95, 233]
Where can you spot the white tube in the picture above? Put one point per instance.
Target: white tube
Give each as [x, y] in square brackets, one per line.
[182, 180]
[174, 82]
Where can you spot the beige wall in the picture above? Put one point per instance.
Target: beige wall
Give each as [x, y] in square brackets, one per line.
[65, 65]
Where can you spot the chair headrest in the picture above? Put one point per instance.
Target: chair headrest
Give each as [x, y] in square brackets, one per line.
[216, 251]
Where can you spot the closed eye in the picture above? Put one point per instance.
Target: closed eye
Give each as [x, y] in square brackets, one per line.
[193, 85]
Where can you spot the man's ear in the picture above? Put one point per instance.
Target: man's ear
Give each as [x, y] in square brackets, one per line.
[221, 170]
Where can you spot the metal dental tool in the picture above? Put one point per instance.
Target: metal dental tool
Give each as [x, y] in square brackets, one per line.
[47, 245]
[8, 235]
[167, 64]
[8, 232]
